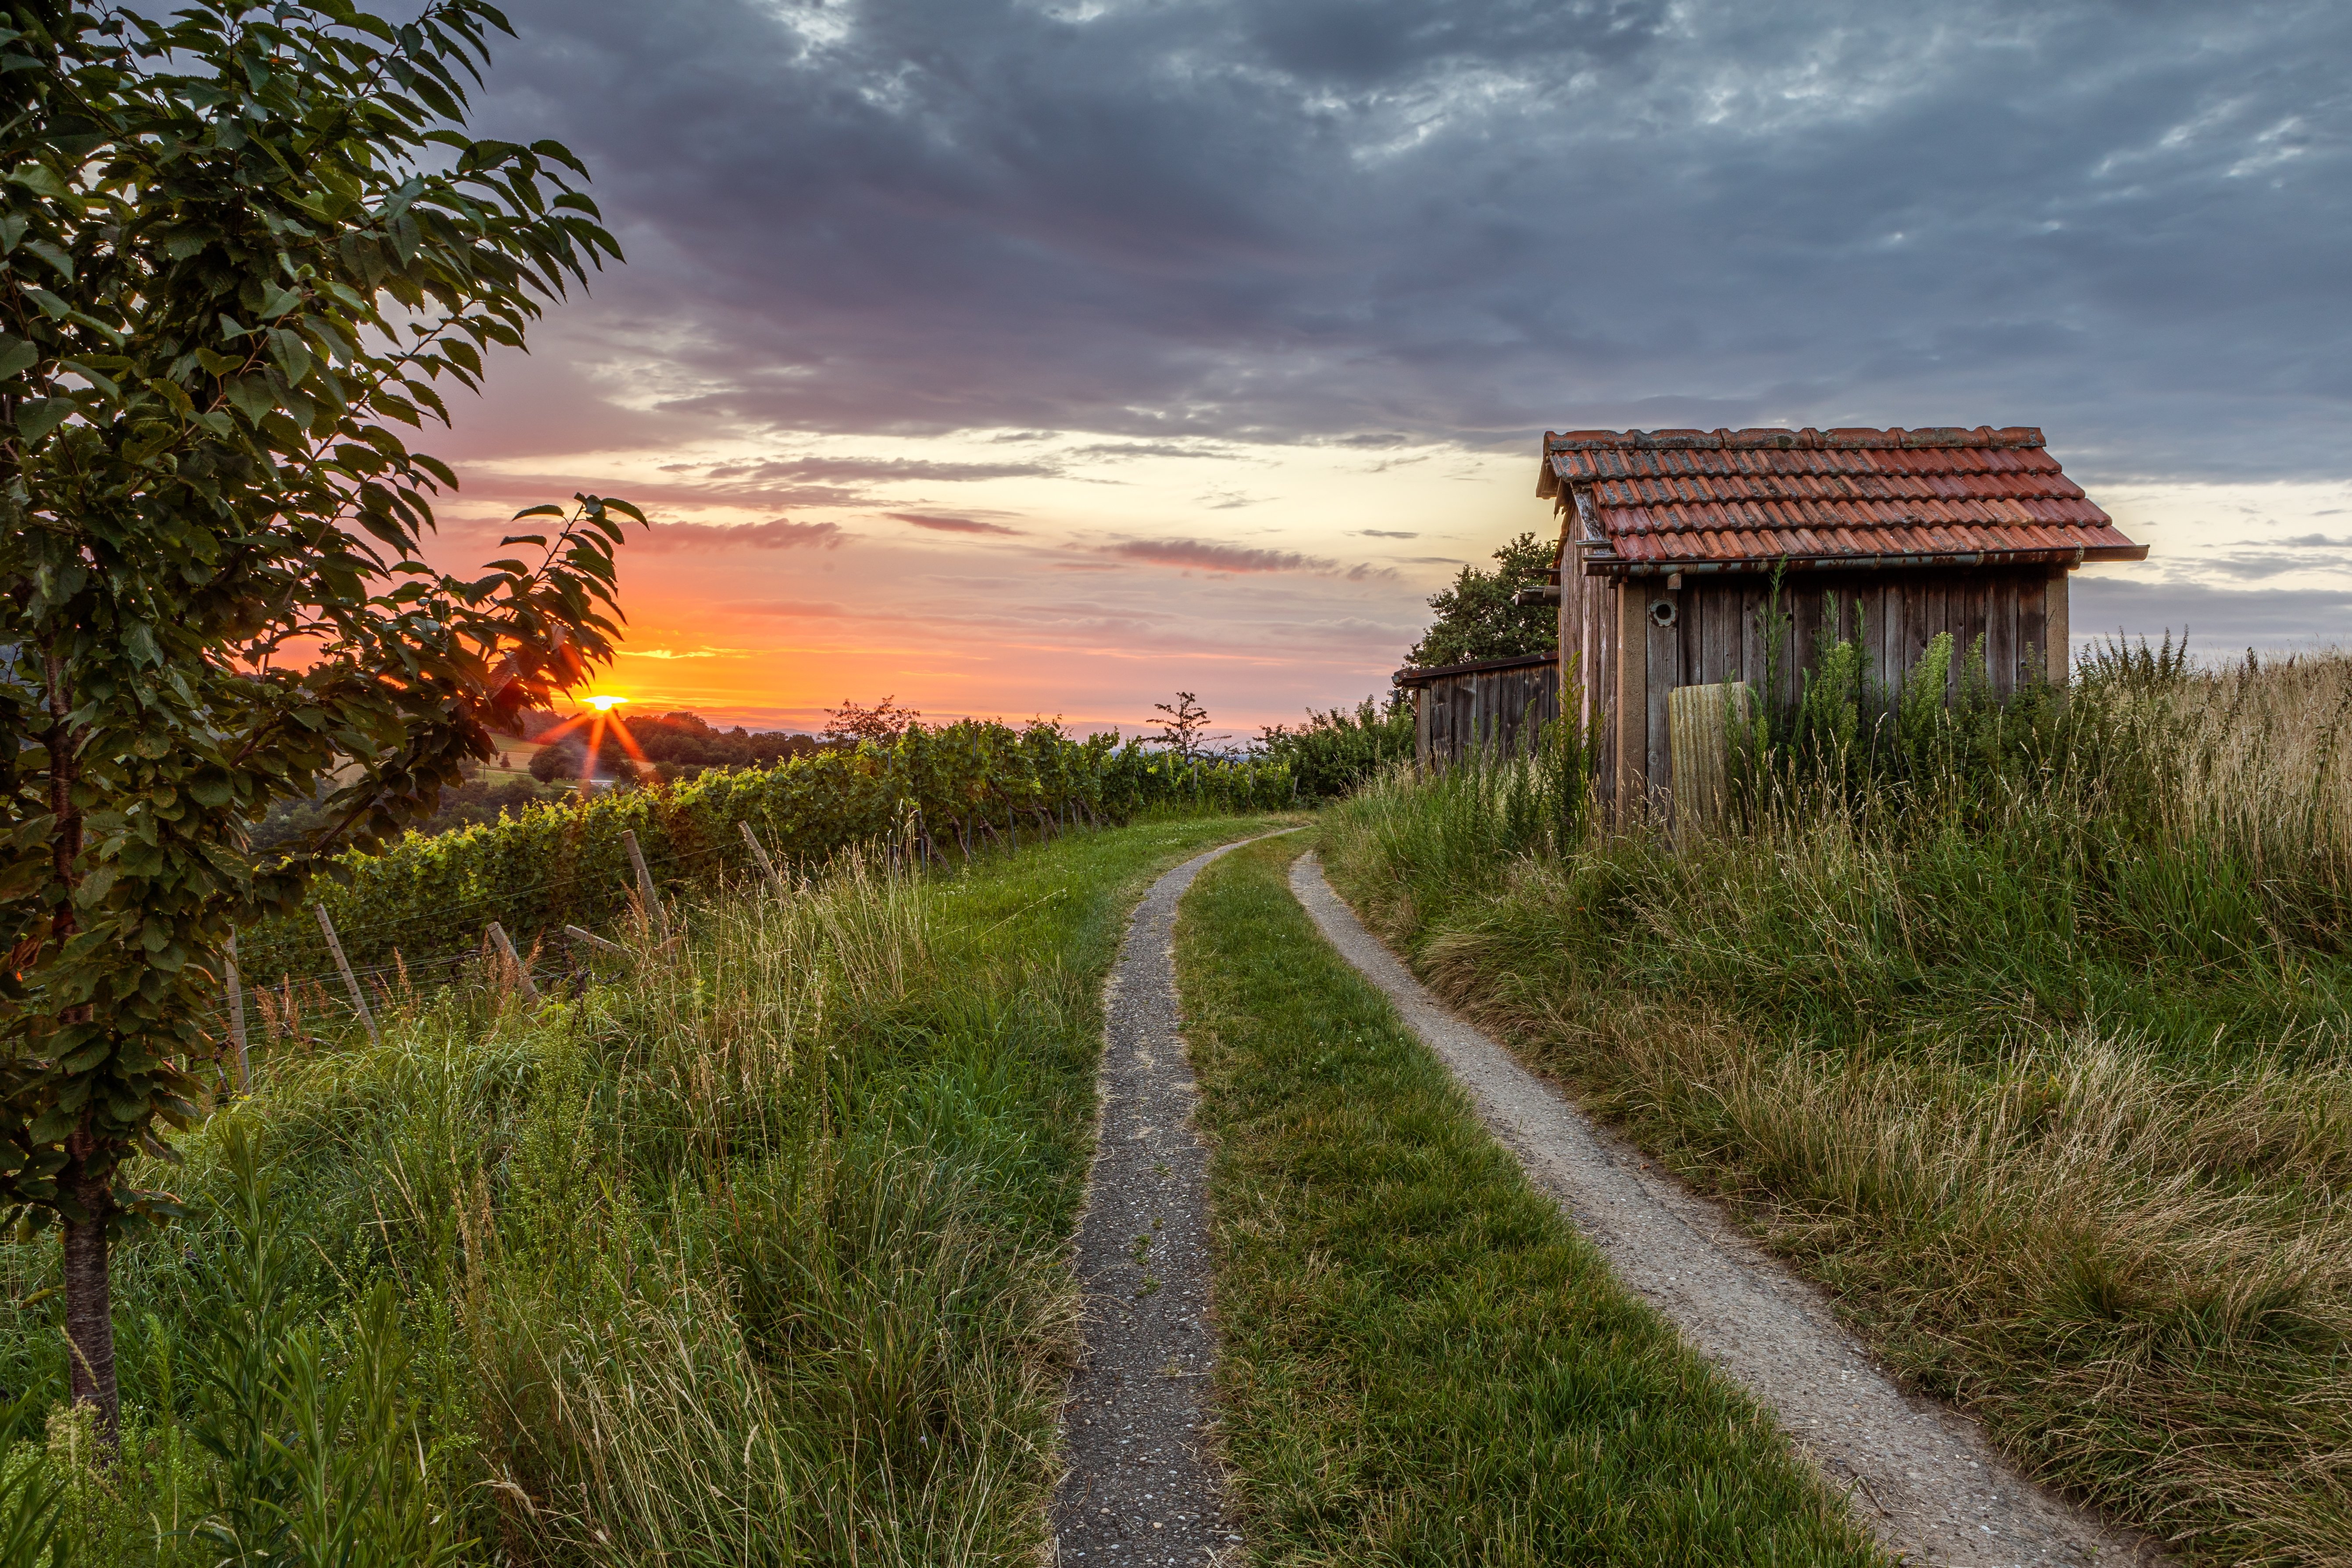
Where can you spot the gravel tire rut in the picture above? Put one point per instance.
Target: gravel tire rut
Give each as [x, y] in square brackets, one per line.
[1141, 1485]
[1922, 1476]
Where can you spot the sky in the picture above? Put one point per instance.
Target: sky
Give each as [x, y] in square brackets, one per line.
[1045, 358]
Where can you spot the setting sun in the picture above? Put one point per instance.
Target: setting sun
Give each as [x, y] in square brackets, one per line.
[606, 704]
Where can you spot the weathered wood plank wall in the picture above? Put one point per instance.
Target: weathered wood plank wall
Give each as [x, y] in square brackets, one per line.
[1458, 712]
[1717, 633]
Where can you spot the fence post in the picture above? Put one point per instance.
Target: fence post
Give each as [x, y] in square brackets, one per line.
[236, 1012]
[653, 910]
[760, 853]
[350, 980]
[593, 940]
[515, 965]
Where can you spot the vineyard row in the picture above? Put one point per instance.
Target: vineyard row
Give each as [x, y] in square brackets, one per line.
[939, 792]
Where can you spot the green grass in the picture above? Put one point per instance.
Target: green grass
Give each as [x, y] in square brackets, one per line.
[751, 1254]
[2055, 1093]
[1422, 1362]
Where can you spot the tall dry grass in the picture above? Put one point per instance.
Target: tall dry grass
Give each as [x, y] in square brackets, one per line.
[2045, 1069]
[750, 1252]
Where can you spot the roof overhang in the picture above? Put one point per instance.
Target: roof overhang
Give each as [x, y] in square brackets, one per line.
[1410, 678]
[1600, 564]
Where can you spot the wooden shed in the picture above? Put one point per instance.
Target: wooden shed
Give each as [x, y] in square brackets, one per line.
[1669, 541]
[1488, 702]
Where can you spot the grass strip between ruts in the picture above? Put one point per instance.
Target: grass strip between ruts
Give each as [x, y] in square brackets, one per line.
[1422, 1361]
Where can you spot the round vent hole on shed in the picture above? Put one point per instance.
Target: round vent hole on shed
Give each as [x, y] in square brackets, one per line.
[1662, 612]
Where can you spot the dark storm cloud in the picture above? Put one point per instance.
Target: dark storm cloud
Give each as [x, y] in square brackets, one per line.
[1466, 219]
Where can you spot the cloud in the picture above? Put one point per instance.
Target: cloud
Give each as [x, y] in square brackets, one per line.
[1383, 533]
[1099, 449]
[952, 524]
[1206, 557]
[780, 534]
[810, 609]
[2318, 542]
[2219, 622]
[873, 470]
[1370, 223]
[664, 653]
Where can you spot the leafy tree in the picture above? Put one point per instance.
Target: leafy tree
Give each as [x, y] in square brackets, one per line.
[851, 723]
[1334, 752]
[1185, 730]
[1476, 619]
[237, 248]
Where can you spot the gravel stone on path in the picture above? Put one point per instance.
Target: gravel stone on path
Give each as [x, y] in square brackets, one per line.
[1921, 1475]
[1142, 1486]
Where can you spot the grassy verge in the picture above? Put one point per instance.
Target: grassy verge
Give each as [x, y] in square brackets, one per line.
[2055, 1094]
[751, 1254]
[1421, 1362]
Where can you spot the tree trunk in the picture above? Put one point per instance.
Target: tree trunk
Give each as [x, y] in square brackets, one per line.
[89, 1300]
[90, 1294]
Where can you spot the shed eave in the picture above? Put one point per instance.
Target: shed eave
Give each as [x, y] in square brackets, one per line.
[1410, 676]
[1613, 565]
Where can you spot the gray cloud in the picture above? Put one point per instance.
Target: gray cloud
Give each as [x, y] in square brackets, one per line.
[1393, 220]
[780, 534]
[1384, 533]
[951, 525]
[872, 470]
[1207, 557]
[2219, 622]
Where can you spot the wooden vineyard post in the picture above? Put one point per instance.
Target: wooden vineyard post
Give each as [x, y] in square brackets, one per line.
[653, 910]
[1698, 726]
[591, 939]
[760, 853]
[515, 966]
[236, 1012]
[350, 980]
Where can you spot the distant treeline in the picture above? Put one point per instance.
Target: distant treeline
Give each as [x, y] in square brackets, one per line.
[679, 745]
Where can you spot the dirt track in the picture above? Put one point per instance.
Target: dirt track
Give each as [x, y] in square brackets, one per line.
[1922, 1476]
[1140, 1485]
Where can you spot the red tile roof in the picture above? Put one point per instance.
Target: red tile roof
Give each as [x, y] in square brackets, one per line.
[1664, 501]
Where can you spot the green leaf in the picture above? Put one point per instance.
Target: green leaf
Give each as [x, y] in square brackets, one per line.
[41, 181]
[54, 255]
[17, 356]
[541, 510]
[249, 395]
[292, 354]
[37, 416]
[103, 383]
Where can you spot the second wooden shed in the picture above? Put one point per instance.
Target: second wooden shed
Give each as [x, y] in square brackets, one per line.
[1669, 539]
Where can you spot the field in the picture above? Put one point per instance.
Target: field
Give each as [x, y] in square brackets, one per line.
[2040, 1057]
[748, 1254]
[2030, 1037]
